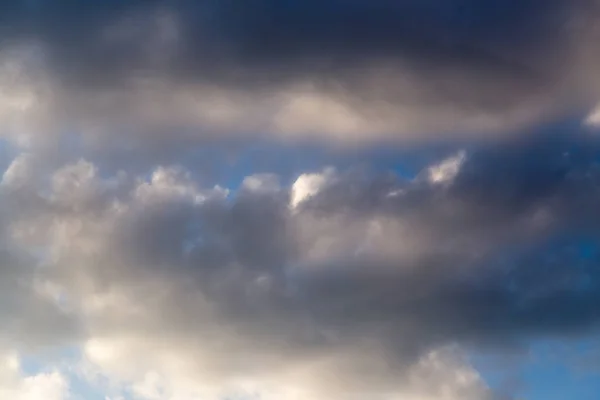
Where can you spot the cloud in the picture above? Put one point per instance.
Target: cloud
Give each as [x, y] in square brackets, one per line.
[28, 316]
[442, 374]
[342, 282]
[308, 185]
[156, 74]
[337, 283]
[593, 119]
[15, 384]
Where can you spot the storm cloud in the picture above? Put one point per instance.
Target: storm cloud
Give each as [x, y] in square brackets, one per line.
[294, 199]
[347, 72]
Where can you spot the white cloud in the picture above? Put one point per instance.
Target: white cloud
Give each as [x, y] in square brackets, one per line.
[447, 170]
[152, 371]
[15, 384]
[593, 119]
[307, 185]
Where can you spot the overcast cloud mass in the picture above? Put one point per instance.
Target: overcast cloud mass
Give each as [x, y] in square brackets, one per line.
[295, 200]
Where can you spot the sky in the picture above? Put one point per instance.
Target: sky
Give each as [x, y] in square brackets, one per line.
[299, 200]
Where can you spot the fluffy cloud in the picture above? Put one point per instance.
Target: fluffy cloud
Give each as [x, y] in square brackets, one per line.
[14, 384]
[338, 285]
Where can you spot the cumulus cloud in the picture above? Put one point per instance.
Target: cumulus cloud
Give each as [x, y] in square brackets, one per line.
[15, 384]
[27, 314]
[347, 72]
[338, 285]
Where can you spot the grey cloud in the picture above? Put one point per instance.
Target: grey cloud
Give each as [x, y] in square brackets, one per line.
[290, 33]
[391, 69]
[489, 272]
[457, 287]
[504, 253]
[370, 273]
[30, 318]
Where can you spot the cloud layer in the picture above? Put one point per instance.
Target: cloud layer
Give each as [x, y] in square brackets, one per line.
[339, 285]
[121, 243]
[347, 72]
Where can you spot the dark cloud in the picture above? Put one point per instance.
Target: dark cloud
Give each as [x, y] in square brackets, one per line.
[490, 248]
[495, 250]
[385, 67]
[503, 253]
[485, 275]
[284, 35]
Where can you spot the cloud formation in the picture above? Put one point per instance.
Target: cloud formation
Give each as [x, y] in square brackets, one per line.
[347, 72]
[339, 285]
[14, 384]
[120, 243]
